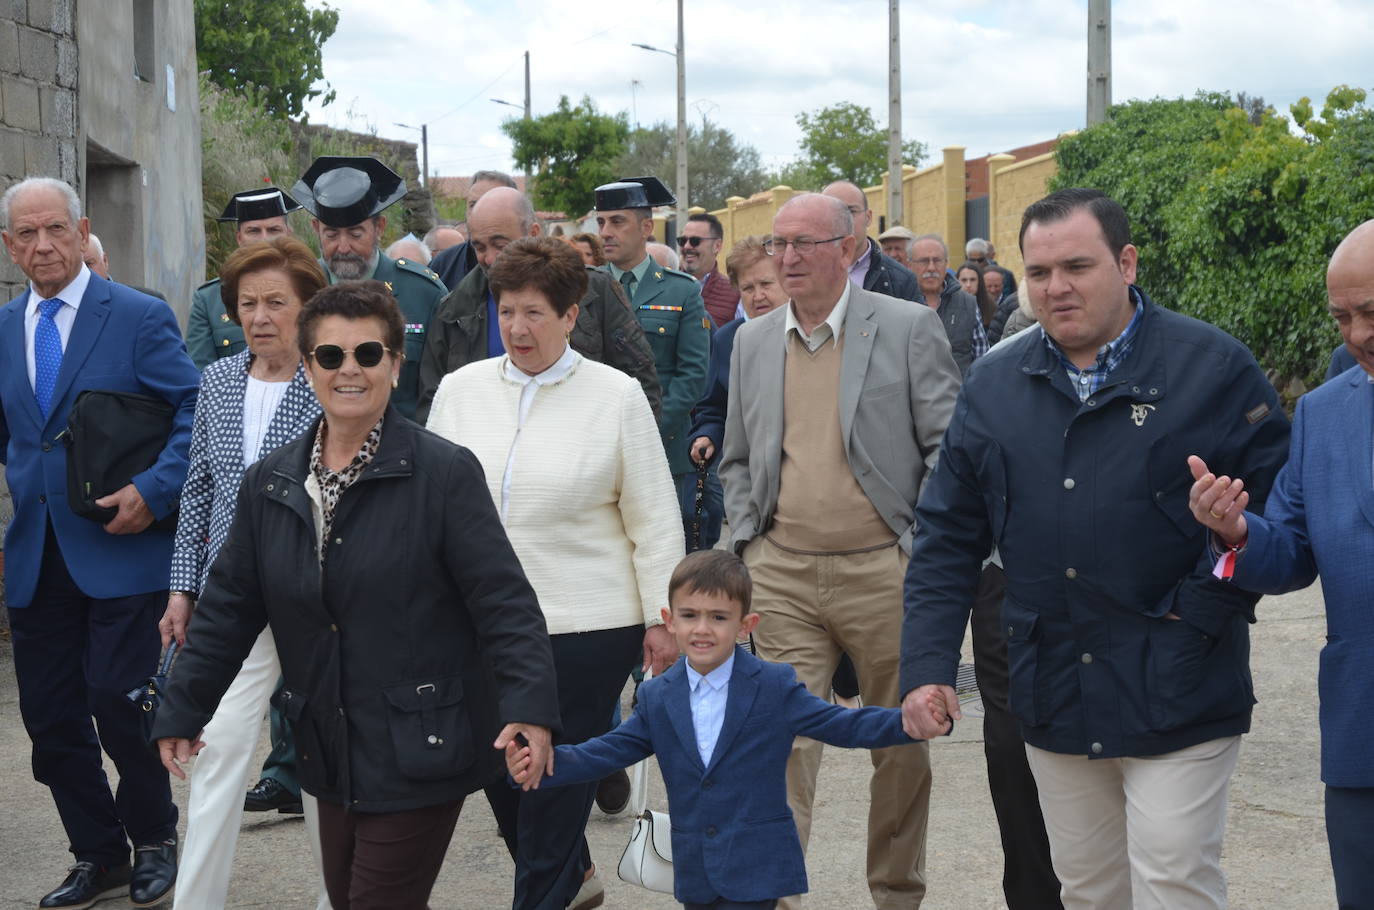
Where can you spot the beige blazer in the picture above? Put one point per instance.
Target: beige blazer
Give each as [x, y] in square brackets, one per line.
[898, 383]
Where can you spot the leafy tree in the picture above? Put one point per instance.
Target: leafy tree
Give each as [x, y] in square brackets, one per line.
[718, 165]
[571, 151]
[268, 47]
[1236, 216]
[844, 142]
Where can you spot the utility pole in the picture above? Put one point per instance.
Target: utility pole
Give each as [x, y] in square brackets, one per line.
[1099, 60]
[894, 117]
[528, 114]
[681, 127]
[424, 153]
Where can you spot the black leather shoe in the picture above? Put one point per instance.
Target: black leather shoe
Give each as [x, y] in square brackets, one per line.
[154, 873]
[613, 792]
[270, 794]
[87, 884]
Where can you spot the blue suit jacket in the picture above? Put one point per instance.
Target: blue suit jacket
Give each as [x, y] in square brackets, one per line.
[122, 341]
[733, 834]
[709, 416]
[1319, 519]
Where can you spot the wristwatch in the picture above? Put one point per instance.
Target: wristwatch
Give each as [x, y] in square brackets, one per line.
[191, 594]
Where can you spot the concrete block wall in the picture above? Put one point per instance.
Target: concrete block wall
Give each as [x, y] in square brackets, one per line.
[39, 73]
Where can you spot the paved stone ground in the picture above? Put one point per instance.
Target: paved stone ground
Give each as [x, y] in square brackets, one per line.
[1275, 857]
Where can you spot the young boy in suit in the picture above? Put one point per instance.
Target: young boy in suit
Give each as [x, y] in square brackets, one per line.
[721, 722]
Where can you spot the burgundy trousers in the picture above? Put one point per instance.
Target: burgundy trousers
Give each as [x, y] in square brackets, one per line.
[386, 861]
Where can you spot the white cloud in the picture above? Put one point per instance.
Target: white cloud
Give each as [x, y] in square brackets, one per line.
[986, 74]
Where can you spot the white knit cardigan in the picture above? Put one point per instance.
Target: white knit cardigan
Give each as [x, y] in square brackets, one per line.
[593, 513]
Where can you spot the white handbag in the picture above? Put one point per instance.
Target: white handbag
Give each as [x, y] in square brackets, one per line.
[648, 857]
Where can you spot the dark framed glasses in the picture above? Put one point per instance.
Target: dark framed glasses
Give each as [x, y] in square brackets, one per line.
[331, 356]
[693, 242]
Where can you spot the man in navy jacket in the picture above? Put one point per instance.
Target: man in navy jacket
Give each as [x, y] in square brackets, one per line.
[85, 599]
[1129, 662]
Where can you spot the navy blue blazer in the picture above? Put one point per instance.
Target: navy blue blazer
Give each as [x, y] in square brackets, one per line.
[709, 416]
[122, 341]
[1319, 520]
[733, 833]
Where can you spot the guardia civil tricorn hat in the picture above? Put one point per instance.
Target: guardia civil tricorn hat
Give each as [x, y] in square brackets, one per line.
[633, 193]
[255, 205]
[343, 191]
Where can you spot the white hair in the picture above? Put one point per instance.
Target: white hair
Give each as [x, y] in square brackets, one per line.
[94, 243]
[976, 245]
[670, 259]
[35, 183]
[936, 237]
[397, 249]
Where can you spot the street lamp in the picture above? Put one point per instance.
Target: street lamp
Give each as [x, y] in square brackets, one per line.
[681, 117]
[424, 148]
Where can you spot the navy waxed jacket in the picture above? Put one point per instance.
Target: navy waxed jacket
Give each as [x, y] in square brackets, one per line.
[1087, 503]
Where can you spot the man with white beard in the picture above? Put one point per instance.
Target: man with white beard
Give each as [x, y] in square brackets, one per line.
[347, 196]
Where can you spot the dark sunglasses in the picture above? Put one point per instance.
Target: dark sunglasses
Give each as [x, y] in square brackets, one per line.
[693, 242]
[331, 356]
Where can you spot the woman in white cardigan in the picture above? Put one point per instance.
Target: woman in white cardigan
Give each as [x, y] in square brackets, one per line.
[577, 471]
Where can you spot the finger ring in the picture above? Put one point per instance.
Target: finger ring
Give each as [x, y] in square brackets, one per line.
[1214, 514]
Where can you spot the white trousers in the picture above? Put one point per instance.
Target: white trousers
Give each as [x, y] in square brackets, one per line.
[218, 781]
[1138, 833]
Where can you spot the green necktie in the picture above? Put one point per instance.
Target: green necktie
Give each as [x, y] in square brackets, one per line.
[627, 279]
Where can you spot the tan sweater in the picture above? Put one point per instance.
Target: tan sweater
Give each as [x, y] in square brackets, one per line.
[592, 512]
[821, 507]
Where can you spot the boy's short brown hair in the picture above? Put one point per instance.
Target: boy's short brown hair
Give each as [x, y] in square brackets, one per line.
[713, 572]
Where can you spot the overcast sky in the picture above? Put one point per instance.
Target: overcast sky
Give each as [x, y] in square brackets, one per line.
[989, 75]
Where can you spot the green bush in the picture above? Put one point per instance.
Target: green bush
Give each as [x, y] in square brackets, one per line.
[1236, 215]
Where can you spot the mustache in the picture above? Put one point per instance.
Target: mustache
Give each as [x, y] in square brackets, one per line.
[347, 265]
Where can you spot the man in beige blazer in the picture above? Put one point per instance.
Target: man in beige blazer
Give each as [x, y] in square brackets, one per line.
[837, 405]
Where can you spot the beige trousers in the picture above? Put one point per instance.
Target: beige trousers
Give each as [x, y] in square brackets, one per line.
[1138, 833]
[813, 608]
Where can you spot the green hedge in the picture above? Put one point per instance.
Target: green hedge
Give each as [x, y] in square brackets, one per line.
[1235, 216]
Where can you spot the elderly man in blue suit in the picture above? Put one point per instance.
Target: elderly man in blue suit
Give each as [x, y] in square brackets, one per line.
[1319, 520]
[85, 599]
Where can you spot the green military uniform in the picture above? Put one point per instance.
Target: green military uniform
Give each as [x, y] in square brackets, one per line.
[418, 291]
[210, 333]
[668, 306]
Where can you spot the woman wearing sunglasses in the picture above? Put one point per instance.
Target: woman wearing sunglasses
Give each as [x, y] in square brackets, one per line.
[249, 404]
[407, 632]
[575, 467]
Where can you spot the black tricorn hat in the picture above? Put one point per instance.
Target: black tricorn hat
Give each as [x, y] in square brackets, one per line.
[633, 193]
[254, 205]
[343, 190]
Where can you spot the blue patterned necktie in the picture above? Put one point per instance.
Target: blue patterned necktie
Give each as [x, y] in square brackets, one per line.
[47, 354]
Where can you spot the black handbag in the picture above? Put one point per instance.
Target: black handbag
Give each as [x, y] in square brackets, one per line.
[147, 696]
[110, 438]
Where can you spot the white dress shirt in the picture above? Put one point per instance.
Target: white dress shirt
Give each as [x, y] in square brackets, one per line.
[832, 327]
[530, 384]
[708, 697]
[64, 317]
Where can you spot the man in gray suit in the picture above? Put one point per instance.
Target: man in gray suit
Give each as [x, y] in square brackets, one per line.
[837, 405]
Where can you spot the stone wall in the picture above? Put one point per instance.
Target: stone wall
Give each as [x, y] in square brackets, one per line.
[38, 93]
[1012, 187]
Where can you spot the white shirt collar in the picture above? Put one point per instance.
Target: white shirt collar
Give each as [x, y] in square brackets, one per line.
[835, 321]
[70, 295]
[556, 373]
[716, 678]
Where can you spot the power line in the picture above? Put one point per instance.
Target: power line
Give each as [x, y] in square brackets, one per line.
[480, 92]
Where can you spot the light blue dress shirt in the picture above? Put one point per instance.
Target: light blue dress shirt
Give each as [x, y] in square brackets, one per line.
[708, 704]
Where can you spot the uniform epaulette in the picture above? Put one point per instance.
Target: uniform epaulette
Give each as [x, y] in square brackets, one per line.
[207, 284]
[417, 268]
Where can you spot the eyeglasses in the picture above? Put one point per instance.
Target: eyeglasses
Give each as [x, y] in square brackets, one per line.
[367, 354]
[978, 260]
[775, 246]
[929, 260]
[693, 242]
